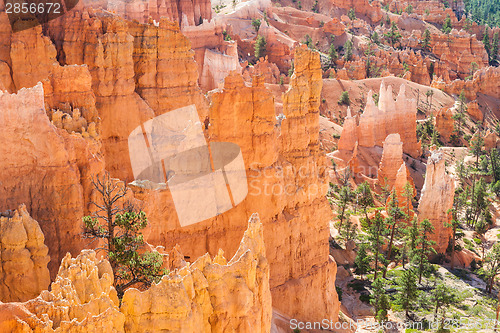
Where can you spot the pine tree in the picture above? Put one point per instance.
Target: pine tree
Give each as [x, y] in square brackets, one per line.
[375, 38]
[379, 300]
[256, 25]
[395, 215]
[364, 197]
[459, 203]
[376, 232]
[424, 248]
[491, 266]
[362, 261]
[344, 198]
[486, 42]
[494, 50]
[260, 47]
[447, 25]
[407, 291]
[119, 226]
[394, 36]
[348, 50]
[351, 14]
[443, 297]
[332, 55]
[426, 39]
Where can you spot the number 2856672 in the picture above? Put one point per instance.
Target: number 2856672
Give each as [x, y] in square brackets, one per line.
[32, 8]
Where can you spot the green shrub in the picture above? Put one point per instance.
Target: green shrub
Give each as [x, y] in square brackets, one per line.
[344, 98]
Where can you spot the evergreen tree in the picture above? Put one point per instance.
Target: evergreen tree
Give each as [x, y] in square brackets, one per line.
[426, 39]
[394, 36]
[486, 42]
[395, 215]
[362, 261]
[119, 226]
[407, 291]
[459, 203]
[375, 38]
[344, 198]
[351, 14]
[494, 50]
[443, 297]
[348, 50]
[447, 24]
[424, 248]
[376, 232]
[332, 55]
[260, 47]
[491, 266]
[380, 300]
[364, 197]
[256, 24]
[460, 115]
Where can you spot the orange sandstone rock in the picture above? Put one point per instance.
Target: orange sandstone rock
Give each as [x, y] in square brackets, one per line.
[436, 199]
[24, 257]
[392, 158]
[210, 295]
[445, 123]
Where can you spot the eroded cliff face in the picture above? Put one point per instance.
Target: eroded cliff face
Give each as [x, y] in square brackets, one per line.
[436, 199]
[23, 268]
[54, 166]
[210, 295]
[287, 185]
[378, 121]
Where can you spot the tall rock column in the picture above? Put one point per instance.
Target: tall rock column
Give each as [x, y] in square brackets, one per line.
[392, 157]
[436, 199]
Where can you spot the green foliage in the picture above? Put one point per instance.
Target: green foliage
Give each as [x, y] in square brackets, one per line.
[315, 7]
[393, 36]
[299, 5]
[344, 98]
[424, 248]
[442, 298]
[375, 38]
[494, 50]
[291, 69]
[377, 230]
[379, 300]
[348, 50]
[256, 24]
[426, 40]
[309, 42]
[406, 296]
[226, 36]
[362, 261]
[486, 42]
[483, 12]
[332, 54]
[409, 9]
[447, 25]
[120, 229]
[260, 47]
[491, 266]
[351, 14]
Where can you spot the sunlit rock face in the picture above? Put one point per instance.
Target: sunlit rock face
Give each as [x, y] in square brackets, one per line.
[210, 295]
[378, 121]
[23, 273]
[437, 199]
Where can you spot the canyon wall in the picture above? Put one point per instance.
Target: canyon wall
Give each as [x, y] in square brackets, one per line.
[287, 186]
[54, 166]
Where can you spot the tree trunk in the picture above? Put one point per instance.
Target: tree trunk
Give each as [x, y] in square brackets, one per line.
[390, 245]
[453, 248]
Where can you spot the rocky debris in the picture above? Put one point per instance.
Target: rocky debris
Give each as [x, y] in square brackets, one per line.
[436, 199]
[209, 295]
[23, 267]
